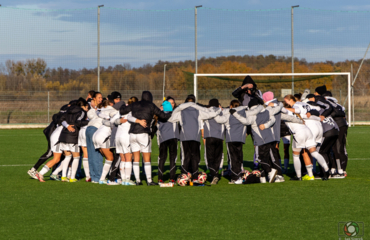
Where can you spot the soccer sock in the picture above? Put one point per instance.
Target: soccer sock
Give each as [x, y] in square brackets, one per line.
[122, 169]
[65, 166]
[69, 172]
[314, 164]
[332, 170]
[75, 163]
[286, 163]
[309, 170]
[33, 169]
[136, 167]
[44, 170]
[148, 171]
[255, 162]
[58, 169]
[339, 167]
[320, 159]
[106, 168]
[297, 165]
[85, 162]
[128, 170]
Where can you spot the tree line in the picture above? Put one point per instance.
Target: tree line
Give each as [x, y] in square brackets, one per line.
[34, 75]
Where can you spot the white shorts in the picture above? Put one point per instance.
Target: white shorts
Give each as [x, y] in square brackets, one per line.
[303, 139]
[54, 139]
[140, 142]
[123, 144]
[101, 137]
[71, 147]
[82, 137]
[286, 139]
[316, 130]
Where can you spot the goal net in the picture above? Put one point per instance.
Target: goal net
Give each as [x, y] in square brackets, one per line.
[280, 84]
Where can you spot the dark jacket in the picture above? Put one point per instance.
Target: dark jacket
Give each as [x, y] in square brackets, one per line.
[243, 96]
[55, 122]
[74, 116]
[143, 110]
[338, 113]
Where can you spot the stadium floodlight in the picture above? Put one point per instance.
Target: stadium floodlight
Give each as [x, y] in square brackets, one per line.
[292, 36]
[348, 74]
[99, 6]
[164, 79]
[196, 36]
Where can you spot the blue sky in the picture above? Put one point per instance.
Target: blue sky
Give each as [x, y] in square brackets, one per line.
[359, 5]
[68, 38]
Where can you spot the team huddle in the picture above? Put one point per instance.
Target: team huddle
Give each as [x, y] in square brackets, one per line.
[88, 130]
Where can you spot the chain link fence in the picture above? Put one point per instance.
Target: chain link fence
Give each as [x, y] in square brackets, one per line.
[39, 107]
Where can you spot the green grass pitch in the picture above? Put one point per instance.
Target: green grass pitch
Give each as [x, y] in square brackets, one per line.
[290, 210]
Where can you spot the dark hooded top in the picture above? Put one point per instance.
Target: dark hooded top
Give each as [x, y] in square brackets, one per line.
[243, 96]
[143, 110]
[76, 116]
[55, 122]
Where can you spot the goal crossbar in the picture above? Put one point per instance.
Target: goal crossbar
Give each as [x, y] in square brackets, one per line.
[348, 74]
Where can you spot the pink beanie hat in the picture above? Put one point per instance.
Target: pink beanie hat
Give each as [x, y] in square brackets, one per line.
[268, 96]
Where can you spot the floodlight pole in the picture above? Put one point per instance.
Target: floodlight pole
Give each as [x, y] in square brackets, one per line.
[196, 45]
[292, 35]
[164, 79]
[99, 46]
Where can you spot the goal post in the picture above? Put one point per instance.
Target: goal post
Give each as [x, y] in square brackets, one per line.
[348, 74]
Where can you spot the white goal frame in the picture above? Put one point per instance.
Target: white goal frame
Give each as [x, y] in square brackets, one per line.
[348, 74]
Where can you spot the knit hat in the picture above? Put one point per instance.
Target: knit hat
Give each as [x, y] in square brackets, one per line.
[167, 107]
[253, 102]
[268, 96]
[321, 89]
[247, 80]
[327, 94]
[214, 103]
[310, 96]
[115, 95]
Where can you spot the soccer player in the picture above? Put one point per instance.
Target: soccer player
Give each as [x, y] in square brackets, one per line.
[330, 128]
[263, 137]
[123, 146]
[95, 158]
[101, 137]
[167, 138]
[235, 138]
[214, 133]
[48, 131]
[244, 94]
[310, 114]
[140, 140]
[268, 97]
[339, 148]
[73, 120]
[190, 115]
[303, 138]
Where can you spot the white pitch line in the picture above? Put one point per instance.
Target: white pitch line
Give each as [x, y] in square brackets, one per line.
[16, 165]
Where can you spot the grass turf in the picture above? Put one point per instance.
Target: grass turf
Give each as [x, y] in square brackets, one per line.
[290, 210]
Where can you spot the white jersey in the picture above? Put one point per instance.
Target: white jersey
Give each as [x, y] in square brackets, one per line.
[54, 140]
[82, 137]
[294, 127]
[123, 136]
[101, 137]
[302, 135]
